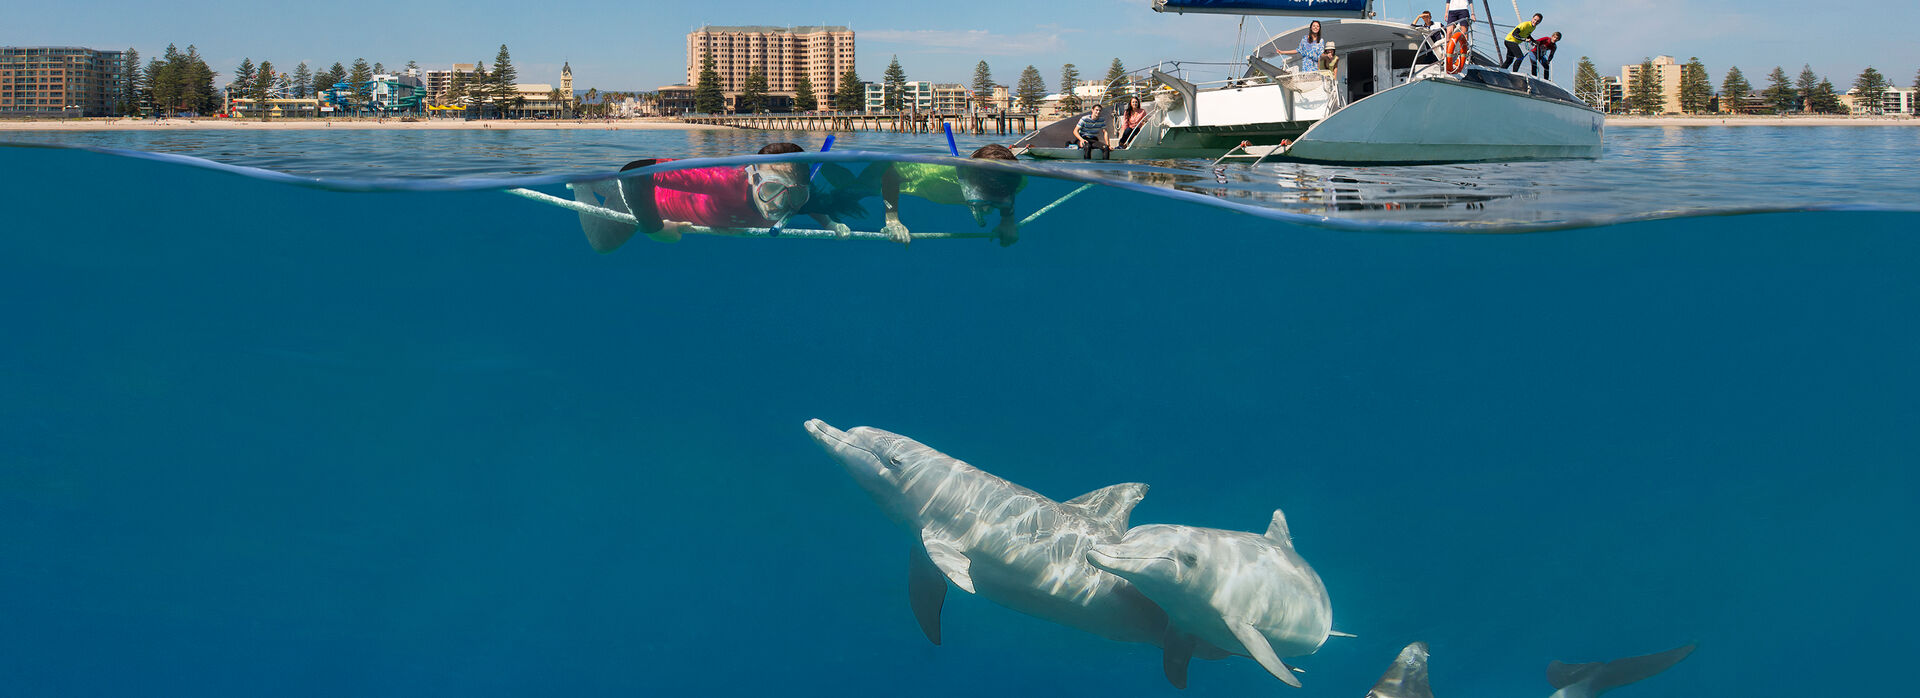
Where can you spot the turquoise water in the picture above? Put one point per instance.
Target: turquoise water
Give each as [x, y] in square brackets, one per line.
[265, 438]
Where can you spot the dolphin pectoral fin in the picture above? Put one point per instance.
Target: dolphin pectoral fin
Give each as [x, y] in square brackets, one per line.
[1262, 652]
[1336, 633]
[927, 591]
[1179, 651]
[947, 556]
[1112, 505]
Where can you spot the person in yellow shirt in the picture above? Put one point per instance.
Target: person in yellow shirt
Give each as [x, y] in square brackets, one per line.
[1524, 32]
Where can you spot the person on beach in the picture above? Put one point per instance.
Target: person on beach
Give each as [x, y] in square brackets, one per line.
[1542, 56]
[981, 190]
[1091, 133]
[1131, 121]
[668, 204]
[1310, 48]
[1523, 32]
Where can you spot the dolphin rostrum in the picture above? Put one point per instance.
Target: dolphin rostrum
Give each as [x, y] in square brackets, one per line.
[996, 539]
[1245, 593]
[1407, 676]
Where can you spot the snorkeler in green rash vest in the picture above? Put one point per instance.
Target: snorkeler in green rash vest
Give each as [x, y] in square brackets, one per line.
[979, 189]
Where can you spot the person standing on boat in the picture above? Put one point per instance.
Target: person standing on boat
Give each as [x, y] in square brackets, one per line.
[1458, 10]
[1091, 133]
[1542, 55]
[1524, 32]
[1131, 121]
[1310, 47]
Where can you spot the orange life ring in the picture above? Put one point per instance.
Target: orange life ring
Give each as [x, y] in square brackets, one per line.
[1457, 50]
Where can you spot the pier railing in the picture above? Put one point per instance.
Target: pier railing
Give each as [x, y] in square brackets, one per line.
[1003, 123]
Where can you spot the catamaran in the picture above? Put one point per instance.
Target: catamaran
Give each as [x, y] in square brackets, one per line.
[1396, 94]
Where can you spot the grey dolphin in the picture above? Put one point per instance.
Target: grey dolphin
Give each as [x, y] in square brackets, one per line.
[996, 539]
[1407, 676]
[1246, 593]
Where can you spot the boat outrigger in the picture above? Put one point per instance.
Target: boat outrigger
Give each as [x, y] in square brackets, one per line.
[1394, 96]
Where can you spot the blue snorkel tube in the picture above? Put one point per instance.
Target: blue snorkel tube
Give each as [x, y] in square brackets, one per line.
[951, 146]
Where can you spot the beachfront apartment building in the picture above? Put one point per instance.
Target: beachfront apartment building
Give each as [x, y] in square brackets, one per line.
[1666, 80]
[437, 81]
[60, 81]
[921, 95]
[822, 54]
[1895, 101]
[915, 95]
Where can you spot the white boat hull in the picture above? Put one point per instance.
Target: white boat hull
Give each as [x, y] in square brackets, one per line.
[1441, 120]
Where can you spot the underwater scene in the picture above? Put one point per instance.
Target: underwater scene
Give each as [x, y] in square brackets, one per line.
[303, 416]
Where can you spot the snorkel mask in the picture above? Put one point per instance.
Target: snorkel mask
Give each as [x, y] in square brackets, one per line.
[980, 200]
[775, 193]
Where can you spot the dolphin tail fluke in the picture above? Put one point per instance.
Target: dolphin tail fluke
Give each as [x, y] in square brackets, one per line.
[1606, 676]
[1407, 678]
[604, 235]
[927, 591]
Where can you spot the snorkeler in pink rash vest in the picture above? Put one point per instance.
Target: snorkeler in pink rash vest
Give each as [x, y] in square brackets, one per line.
[751, 196]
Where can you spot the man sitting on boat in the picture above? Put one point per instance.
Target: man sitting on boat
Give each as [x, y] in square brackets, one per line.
[1091, 133]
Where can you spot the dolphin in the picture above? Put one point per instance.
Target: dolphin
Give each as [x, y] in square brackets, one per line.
[996, 539]
[1407, 676]
[1245, 593]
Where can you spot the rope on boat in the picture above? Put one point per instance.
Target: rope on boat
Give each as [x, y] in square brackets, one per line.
[809, 233]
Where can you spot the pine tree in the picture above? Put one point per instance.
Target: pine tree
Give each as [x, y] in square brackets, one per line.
[413, 67]
[893, 87]
[1587, 86]
[707, 98]
[1872, 88]
[132, 84]
[302, 80]
[242, 79]
[1069, 77]
[456, 92]
[1805, 85]
[504, 94]
[326, 80]
[197, 84]
[1825, 99]
[803, 97]
[360, 81]
[1115, 91]
[1643, 95]
[1696, 90]
[160, 86]
[262, 88]
[1779, 91]
[379, 69]
[1734, 87]
[753, 93]
[982, 84]
[852, 94]
[1031, 89]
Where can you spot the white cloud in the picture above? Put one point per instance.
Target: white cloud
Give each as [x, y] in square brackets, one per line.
[971, 41]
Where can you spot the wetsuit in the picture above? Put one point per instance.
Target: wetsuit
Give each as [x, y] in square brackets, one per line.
[716, 197]
[936, 183]
[1543, 50]
[1524, 32]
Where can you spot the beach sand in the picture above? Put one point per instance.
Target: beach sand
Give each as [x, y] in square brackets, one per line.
[1731, 120]
[361, 124]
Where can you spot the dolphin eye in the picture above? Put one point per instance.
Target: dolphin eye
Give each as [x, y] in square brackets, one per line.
[893, 459]
[1189, 559]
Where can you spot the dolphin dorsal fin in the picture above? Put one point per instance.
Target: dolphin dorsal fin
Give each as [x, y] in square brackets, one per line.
[1407, 678]
[1277, 529]
[1606, 676]
[1111, 505]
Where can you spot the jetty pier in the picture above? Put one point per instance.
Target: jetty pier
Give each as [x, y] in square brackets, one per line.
[978, 123]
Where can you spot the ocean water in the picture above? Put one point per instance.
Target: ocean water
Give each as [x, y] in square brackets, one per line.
[266, 437]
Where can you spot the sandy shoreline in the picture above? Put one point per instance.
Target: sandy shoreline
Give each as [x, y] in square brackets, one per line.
[1762, 121]
[348, 124]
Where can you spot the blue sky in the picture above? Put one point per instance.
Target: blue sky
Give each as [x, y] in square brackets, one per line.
[641, 45]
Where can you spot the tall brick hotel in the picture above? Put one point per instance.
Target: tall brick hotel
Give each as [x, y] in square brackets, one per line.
[785, 53]
[59, 80]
